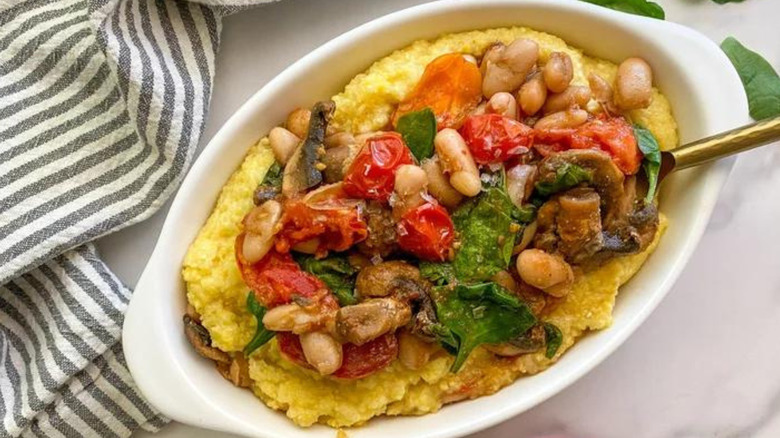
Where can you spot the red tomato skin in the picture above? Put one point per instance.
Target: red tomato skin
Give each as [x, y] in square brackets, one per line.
[358, 360]
[427, 232]
[277, 278]
[338, 228]
[372, 174]
[493, 138]
[613, 136]
[450, 86]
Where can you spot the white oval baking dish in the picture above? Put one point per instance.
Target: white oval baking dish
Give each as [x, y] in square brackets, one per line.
[706, 95]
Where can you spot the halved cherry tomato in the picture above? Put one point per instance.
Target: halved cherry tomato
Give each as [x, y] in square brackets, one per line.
[276, 279]
[427, 232]
[450, 86]
[613, 135]
[359, 360]
[493, 138]
[372, 174]
[338, 227]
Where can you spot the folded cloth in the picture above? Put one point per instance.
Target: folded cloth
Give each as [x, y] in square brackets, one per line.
[102, 104]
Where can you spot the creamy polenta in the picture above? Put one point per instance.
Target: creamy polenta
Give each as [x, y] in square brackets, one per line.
[218, 294]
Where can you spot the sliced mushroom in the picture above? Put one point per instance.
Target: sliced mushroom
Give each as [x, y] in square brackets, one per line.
[200, 339]
[382, 280]
[360, 323]
[607, 179]
[591, 225]
[579, 224]
[529, 342]
[237, 371]
[303, 170]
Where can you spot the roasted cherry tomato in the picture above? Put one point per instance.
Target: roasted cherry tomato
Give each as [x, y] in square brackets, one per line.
[613, 135]
[359, 360]
[450, 86]
[427, 232]
[372, 174]
[493, 138]
[276, 279]
[337, 227]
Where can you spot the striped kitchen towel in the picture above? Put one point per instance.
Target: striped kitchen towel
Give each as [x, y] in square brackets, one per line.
[102, 103]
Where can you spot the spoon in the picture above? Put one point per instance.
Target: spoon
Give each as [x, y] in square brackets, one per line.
[720, 146]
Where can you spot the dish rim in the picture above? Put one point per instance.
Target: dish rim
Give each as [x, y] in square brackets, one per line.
[137, 327]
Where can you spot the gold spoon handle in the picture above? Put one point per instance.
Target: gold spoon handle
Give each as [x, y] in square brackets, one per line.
[726, 143]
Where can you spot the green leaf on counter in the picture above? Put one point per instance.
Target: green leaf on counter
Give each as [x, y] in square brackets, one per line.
[484, 225]
[553, 338]
[262, 335]
[637, 7]
[484, 313]
[418, 129]
[761, 81]
[652, 161]
[566, 176]
[440, 274]
[335, 271]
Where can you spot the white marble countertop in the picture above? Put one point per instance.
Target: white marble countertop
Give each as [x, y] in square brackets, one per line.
[705, 364]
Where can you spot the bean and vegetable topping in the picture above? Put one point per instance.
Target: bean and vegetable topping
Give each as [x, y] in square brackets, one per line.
[497, 182]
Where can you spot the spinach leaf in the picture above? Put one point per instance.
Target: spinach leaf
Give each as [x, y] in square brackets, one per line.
[418, 129]
[484, 224]
[761, 81]
[636, 7]
[271, 185]
[479, 314]
[525, 214]
[440, 274]
[335, 271]
[262, 334]
[652, 161]
[566, 177]
[553, 338]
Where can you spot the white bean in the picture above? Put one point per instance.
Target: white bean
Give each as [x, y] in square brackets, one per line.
[544, 271]
[293, 318]
[503, 103]
[571, 118]
[505, 280]
[283, 143]
[439, 185]
[339, 139]
[322, 352]
[574, 96]
[260, 227]
[506, 67]
[558, 72]
[532, 95]
[298, 122]
[520, 183]
[600, 88]
[411, 183]
[634, 84]
[456, 160]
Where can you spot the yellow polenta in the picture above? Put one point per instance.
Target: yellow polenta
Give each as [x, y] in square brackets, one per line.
[215, 288]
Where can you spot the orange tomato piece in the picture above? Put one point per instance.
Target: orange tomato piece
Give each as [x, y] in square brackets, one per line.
[450, 86]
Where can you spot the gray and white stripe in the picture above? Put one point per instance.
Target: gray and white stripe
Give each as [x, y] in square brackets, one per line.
[102, 104]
